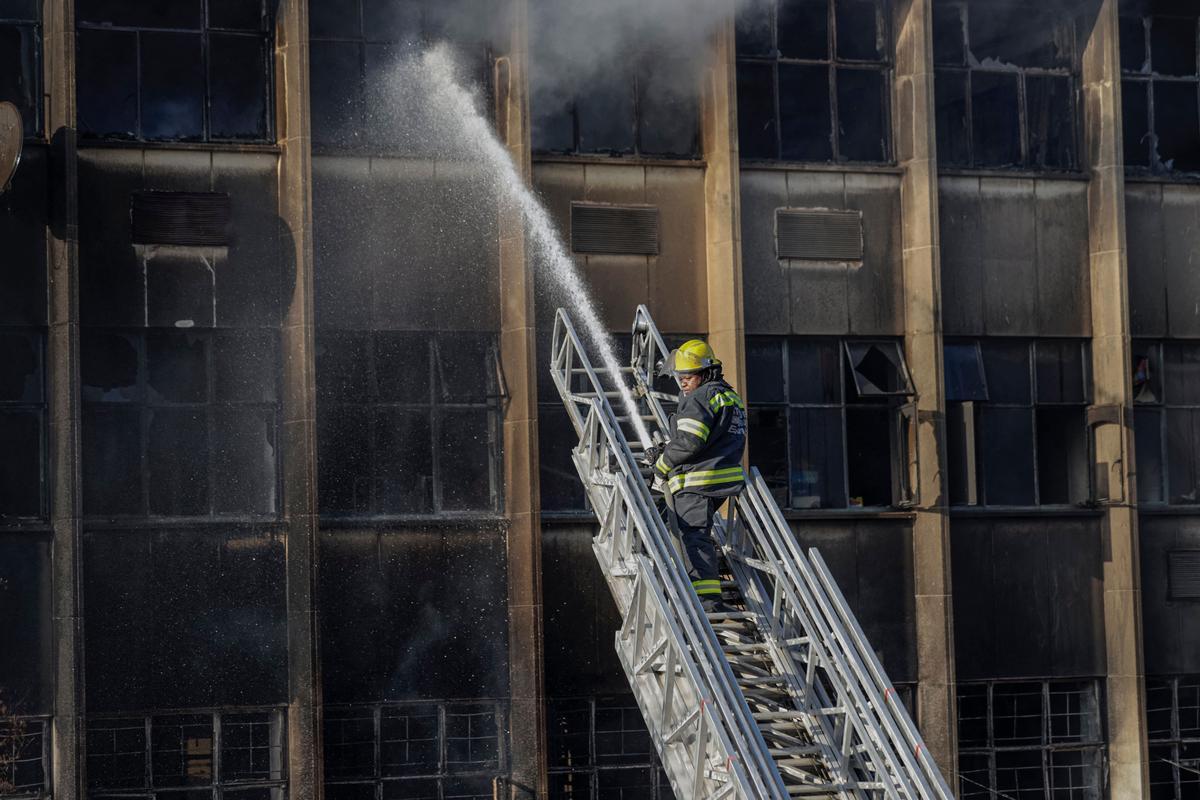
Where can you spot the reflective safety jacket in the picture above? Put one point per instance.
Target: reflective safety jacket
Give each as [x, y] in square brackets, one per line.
[708, 435]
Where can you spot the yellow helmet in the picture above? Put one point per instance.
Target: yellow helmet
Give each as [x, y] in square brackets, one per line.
[693, 356]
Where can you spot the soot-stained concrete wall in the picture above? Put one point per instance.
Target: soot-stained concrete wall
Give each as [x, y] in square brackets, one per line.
[1171, 638]
[1162, 223]
[785, 296]
[1014, 257]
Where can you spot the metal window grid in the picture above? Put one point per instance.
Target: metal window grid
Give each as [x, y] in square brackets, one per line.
[1175, 746]
[38, 408]
[618, 759]
[24, 757]
[1161, 404]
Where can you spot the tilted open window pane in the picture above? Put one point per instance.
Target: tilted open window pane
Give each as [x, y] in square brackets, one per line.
[878, 369]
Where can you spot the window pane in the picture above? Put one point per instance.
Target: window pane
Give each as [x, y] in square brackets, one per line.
[1181, 455]
[246, 366]
[552, 119]
[465, 458]
[1147, 373]
[954, 132]
[334, 19]
[1173, 46]
[1075, 773]
[764, 371]
[804, 113]
[606, 114]
[172, 86]
[1188, 693]
[813, 372]
[1147, 428]
[1019, 775]
[183, 750]
[1133, 44]
[1162, 773]
[769, 448]
[243, 15]
[621, 736]
[803, 28]
[756, 110]
[163, 14]
[1020, 34]
[350, 744]
[862, 132]
[964, 373]
[342, 367]
[1050, 111]
[1060, 372]
[1135, 119]
[974, 772]
[869, 456]
[112, 461]
[177, 459]
[472, 739]
[409, 742]
[1006, 365]
[1181, 373]
[1017, 714]
[177, 366]
[973, 715]
[1062, 456]
[392, 21]
[1177, 124]
[1160, 698]
[1074, 712]
[878, 368]
[22, 470]
[466, 367]
[336, 88]
[960, 419]
[116, 753]
[754, 19]
[20, 367]
[18, 73]
[402, 366]
[20, 9]
[244, 461]
[403, 462]
[817, 467]
[239, 80]
[669, 121]
[109, 363]
[560, 487]
[568, 733]
[251, 747]
[106, 83]
[858, 35]
[995, 119]
[949, 47]
[1007, 455]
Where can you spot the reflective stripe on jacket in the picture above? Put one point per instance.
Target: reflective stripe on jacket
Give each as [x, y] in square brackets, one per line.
[708, 435]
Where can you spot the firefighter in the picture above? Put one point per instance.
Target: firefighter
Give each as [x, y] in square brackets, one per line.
[701, 464]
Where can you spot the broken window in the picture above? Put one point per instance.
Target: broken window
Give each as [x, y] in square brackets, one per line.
[1007, 78]
[151, 395]
[408, 423]
[23, 423]
[21, 61]
[199, 71]
[828, 427]
[599, 747]
[1016, 421]
[1159, 87]
[1173, 723]
[24, 747]
[1032, 739]
[197, 753]
[1166, 396]
[414, 750]
[813, 80]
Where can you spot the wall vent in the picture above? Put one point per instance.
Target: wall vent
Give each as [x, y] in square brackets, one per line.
[819, 235]
[614, 230]
[1183, 574]
[190, 219]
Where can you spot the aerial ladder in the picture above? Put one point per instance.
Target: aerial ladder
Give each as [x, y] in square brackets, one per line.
[781, 698]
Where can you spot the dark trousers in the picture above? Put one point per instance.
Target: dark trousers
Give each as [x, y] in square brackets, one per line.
[692, 520]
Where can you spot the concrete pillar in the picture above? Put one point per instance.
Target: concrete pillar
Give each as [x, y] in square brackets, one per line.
[916, 153]
[299, 438]
[1112, 412]
[62, 387]
[722, 208]
[522, 503]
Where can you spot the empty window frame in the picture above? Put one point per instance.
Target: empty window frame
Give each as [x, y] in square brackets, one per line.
[1034, 739]
[830, 425]
[415, 750]
[23, 423]
[1016, 421]
[196, 71]
[1160, 86]
[24, 755]
[180, 423]
[21, 61]
[1007, 84]
[408, 423]
[358, 101]
[1166, 388]
[1173, 729]
[599, 747]
[814, 80]
[233, 754]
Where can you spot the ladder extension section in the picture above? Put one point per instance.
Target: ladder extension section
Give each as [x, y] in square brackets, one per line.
[782, 698]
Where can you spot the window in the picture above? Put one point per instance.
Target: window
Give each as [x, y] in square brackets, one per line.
[357, 101]
[1166, 387]
[180, 422]
[21, 61]
[239, 754]
[24, 743]
[1037, 739]
[813, 80]
[414, 750]
[408, 423]
[185, 71]
[1016, 421]
[1160, 87]
[830, 426]
[22, 422]
[1007, 84]
[1173, 728]
[599, 747]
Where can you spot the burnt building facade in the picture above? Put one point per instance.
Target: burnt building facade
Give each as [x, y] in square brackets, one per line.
[287, 509]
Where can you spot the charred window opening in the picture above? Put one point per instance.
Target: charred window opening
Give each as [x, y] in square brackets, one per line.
[415, 750]
[1166, 387]
[238, 752]
[1173, 728]
[24, 745]
[599, 747]
[1007, 84]
[180, 423]
[198, 71]
[359, 102]
[408, 423]
[1160, 86]
[1035, 739]
[1016, 421]
[830, 423]
[813, 80]
[23, 423]
[21, 61]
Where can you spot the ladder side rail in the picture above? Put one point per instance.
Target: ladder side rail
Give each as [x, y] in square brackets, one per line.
[856, 676]
[719, 678]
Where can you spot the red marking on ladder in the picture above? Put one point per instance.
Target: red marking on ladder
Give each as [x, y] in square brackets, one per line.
[888, 692]
[919, 746]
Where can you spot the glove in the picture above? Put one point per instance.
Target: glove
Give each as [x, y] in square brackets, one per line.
[651, 454]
